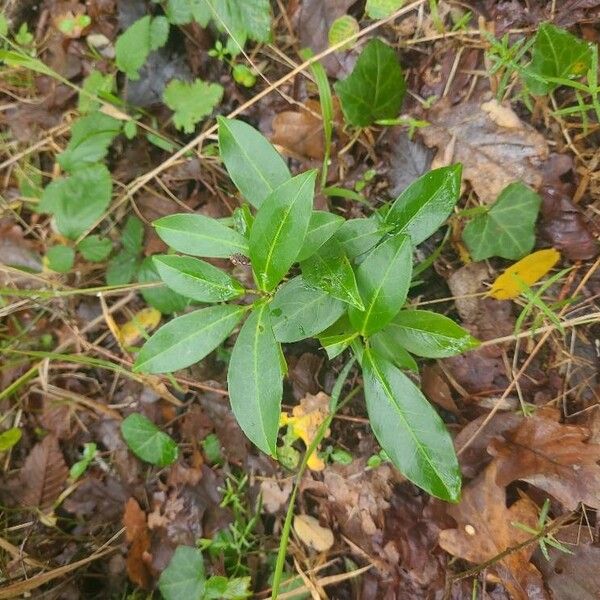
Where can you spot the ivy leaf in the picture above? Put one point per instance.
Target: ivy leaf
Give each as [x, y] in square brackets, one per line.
[137, 41]
[426, 203]
[409, 430]
[375, 88]
[162, 298]
[255, 380]
[507, 229]
[147, 441]
[95, 248]
[78, 201]
[187, 339]
[556, 54]
[184, 577]
[191, 102]
[90, 138]
[255, 167]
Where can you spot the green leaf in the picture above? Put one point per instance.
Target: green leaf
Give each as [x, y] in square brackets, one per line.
[321, 227]
[96, 84]
[187, 339]
[556, 53]
[299, 312]
[375, 88]
[197, 279]
[338, 337]
[78, 201]
[329, 269]
[250, 19]
[429, 334]
[426, 203]
[223, 588]
[81, 466]
[133, 235]
[358, 236]
[341, 29]
[200, 236]
[95, 248]
[380, 9]
[383, 280]
[60, 258]
[184, 578]
[137, 41]
[180, 12]
[508, 228]
[147, 441]
[279, 229]
[409, 430]
[255, 167]
[161, 298]
[10, 438]
[255, 380]
[389, 347]
[90, 138]
[121, 268]
[191, 102]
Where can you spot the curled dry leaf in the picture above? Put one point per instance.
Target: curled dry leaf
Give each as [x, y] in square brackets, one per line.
[485, 529]
[312, 534]
[43, 475]
[553, 457]
[136, 533]
[494, 146]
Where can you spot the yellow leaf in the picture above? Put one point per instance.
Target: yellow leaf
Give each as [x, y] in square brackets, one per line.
[315, 536]
[528, 270]
[143, 321]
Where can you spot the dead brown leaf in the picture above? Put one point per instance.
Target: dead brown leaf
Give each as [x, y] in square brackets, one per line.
[136, 533]
[553, 457]
[494, 146]
[300, 133]
[309, 530]
[44, 474]
[485, 529]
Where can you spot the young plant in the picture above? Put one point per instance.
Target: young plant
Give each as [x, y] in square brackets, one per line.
[316, 275]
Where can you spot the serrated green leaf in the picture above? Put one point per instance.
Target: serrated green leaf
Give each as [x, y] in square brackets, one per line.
[279, 229]
[184, 578]
[321, 227]
[409, 430]
[250, 19]
[147, 441]
[508, 228]
[341, 29]
[78, 201]
[121, 268]
[329, 269]
[556, 54]
[358, 236]
[219, 587]
[426, 203]
[162, 298]
[191, 102]
[95, 248]
[60, 258]
[96, 84]
[255, 167]
[299, 312]
[375, 88]
[388, 346]
[197, 279]
[90, 138]
[383, 280]
[380, 9]
[200, 236]
[255, 380]
[180, 12]
[187, 339]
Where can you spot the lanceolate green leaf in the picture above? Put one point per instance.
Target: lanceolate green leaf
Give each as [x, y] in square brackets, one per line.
[147, 441]
[338, 337]
[409, 430]
[383, 280]
[375, 88]
[184, 577]
[330, 270]
[321, 227]
[508, 228]
[200, 236]
[388, 346]
[255, 380]
[160, 297]
[358, 236]
[299, 312]
[197, 279]
[187, 339]
[425, 204]
[253, 164]
[279, 229]
[428, 334]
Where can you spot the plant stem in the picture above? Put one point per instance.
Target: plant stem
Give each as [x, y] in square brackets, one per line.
[287, 525]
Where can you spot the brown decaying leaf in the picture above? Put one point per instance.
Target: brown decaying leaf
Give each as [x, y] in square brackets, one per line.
[309, 530]
[485, 529]
[494, 146]
[43, 474]
[300, 132]
[136, 533]
[553, 457]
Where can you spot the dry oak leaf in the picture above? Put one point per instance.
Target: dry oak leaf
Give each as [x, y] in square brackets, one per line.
[552, 457]
[494, 146]
[485, 529]
[43, 474]
[136, 533]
